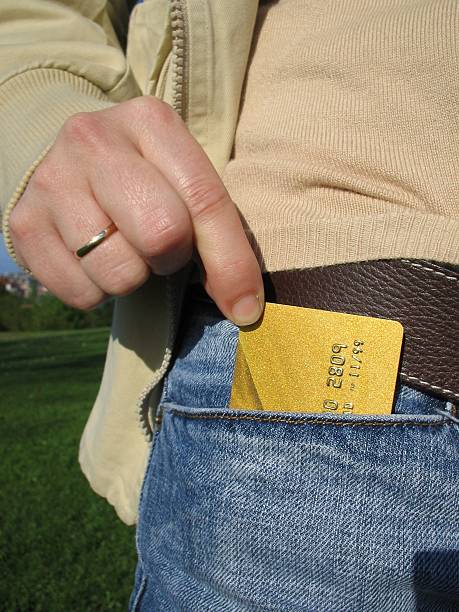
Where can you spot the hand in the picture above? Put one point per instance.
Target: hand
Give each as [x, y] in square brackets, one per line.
[135, 164]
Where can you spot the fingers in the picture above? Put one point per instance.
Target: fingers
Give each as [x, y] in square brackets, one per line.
[153, 217]
[233, 276]
[41, 249]
[135, 164]
[49, 224]
[114, 266]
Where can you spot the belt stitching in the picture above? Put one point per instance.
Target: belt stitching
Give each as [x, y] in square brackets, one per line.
[423, 382]
[426, 384]
[418, 265]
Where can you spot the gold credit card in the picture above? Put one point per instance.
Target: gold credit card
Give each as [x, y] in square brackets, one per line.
[307, 360]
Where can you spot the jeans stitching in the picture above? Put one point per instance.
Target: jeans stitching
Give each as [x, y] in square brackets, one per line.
[137, 532]
[140, 592]
[290, 421]
[165, 391]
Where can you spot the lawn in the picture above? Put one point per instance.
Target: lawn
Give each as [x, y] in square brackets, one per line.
[62, 548]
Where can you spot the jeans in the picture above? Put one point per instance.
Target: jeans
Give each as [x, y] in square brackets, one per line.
[245, 511]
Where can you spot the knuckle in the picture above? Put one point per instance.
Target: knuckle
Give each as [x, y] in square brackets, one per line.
[85, 300]
[126, 277]
[154, 109]
[234, 269]
[43, 177]
[20, 224]
[162, 233]
[85, 129]
[204, 199]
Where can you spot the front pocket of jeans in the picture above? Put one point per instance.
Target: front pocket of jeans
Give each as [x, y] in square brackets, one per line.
[274, 510]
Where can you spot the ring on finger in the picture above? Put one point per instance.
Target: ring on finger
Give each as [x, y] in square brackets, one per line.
[96, 240]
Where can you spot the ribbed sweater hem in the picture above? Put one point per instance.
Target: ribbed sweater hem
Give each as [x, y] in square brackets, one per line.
[29, 129]
[326, 242]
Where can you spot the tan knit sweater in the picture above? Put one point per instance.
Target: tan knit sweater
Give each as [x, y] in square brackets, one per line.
[347, 146]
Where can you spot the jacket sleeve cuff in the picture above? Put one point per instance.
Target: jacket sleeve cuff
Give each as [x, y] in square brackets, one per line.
[35, 104]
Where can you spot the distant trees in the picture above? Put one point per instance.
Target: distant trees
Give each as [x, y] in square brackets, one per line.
[46, 312]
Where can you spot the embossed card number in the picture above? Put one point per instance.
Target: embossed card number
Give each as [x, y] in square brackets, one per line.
[337, 374]
[307, 360]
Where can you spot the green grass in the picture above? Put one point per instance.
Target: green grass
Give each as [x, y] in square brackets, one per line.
[62, 548]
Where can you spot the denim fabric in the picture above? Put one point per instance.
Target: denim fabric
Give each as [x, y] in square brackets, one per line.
[247, 511]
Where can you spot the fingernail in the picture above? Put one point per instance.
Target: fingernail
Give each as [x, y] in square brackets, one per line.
[247, 310]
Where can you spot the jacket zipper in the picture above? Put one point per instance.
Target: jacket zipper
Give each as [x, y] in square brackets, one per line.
[179, 103]
[151, 426]
[179, 55]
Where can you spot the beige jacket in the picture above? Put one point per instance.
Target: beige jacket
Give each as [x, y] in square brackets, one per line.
[58, 58]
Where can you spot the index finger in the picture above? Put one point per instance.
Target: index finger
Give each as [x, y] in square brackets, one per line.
[233, 275]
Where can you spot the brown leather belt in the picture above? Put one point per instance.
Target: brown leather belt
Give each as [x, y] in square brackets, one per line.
[422, 295]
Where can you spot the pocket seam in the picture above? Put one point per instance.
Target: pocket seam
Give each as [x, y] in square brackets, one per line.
[219, 416]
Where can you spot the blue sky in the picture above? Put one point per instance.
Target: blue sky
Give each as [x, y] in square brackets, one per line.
[6, 263]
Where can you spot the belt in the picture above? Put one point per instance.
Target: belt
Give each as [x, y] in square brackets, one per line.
[422, 295]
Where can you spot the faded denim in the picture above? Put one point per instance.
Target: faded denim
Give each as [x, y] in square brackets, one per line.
[254, 511]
